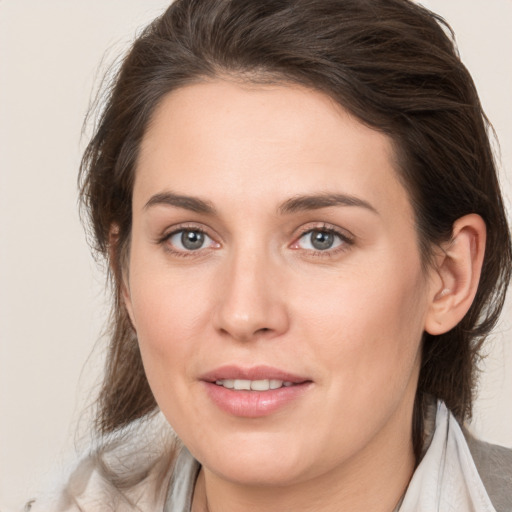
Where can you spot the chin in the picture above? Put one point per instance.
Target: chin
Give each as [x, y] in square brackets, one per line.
[256, 461]
[258, 472]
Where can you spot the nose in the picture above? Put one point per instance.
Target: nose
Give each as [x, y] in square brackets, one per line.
[251, 299]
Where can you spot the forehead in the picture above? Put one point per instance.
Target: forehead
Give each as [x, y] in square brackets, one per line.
[224, 139]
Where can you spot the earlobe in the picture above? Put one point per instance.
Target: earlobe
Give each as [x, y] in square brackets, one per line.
[458, 270]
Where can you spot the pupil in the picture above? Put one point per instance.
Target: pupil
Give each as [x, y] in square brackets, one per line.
[192, 240]
[322, 240]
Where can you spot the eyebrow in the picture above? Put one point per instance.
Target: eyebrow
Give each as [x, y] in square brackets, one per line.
[317, 201]
[193, 204]
[292, 205]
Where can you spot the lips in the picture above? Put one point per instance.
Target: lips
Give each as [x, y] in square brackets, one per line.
[261, 372]
[253, 392]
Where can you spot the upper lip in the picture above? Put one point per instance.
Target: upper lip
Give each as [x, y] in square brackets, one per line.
[260, 372]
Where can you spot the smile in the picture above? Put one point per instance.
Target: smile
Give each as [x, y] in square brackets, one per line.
[253, 385]
[254, 392]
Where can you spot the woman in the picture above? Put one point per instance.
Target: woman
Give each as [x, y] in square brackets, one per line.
[300, 209]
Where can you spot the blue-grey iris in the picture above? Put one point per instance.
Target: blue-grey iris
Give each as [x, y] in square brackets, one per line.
[322, 240]
[192, 240]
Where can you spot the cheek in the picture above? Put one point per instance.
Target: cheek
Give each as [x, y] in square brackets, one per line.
[161, 313]
[364, 335]
[168, 324]
[368, 326]
[169, 313]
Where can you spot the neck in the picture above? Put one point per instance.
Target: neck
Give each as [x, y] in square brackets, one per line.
[374, 480]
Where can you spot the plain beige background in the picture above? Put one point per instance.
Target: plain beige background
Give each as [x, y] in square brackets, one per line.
[52, 306]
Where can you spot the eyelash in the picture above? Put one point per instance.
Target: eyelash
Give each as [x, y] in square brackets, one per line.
[346, 241]
[183, 253]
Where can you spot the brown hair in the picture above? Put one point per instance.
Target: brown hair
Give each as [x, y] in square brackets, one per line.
[393, 65]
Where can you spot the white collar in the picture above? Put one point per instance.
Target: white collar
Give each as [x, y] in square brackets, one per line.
[446, 478]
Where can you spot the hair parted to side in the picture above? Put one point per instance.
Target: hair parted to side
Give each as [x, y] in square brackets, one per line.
[393, 65]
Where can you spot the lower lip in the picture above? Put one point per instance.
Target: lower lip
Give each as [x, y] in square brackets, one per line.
[254, 404]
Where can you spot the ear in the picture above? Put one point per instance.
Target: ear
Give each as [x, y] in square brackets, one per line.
[119, 270]
[457, 274]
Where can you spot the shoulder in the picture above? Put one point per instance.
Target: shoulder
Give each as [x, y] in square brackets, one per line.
[128, 471]
[494, 465]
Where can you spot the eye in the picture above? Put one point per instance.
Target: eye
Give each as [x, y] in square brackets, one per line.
[189, 240]
[321, 239]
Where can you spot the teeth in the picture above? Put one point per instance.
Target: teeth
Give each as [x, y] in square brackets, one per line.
[275, 384]
[260, 385]
[242, 384]
[253, 385]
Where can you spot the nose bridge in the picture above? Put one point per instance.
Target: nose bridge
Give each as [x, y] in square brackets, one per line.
[250, 302]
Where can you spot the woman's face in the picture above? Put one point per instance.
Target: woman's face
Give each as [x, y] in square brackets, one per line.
[275, 282]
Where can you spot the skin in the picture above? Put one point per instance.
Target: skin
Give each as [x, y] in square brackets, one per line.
[349, 318]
